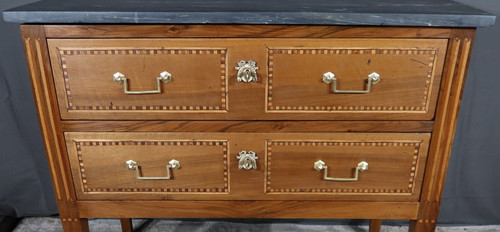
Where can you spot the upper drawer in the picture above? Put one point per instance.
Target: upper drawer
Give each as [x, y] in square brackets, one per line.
[348, 77]
[298, 79]
[130, 76]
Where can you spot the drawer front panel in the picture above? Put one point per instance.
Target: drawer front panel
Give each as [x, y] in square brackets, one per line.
[409, 73]
[195, 78]
[99, 164]
[394, 162]
[282, 169]
[289, 85]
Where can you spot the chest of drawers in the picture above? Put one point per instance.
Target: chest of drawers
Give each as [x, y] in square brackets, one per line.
[247, 121]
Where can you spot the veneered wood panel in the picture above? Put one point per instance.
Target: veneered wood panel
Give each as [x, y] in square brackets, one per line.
[249, 209]
[410, 73]
[395, 165]
[84, 72]
[249, 126]
[250, 102]
[98, 164]
[204, 85]
[245, 31]
[209, 167]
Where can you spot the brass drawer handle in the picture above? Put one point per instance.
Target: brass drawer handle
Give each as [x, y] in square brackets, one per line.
[247, 160]
[164, 77]
[373, 79]
[173, 164]
[247, 72]
[320, 165]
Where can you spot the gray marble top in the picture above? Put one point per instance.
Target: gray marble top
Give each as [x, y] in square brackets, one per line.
[436, 13]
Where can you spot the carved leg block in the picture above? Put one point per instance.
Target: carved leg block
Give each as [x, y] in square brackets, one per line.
[422, 225]
[75, 224]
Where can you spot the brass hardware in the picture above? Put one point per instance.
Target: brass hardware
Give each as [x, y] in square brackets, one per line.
[247, 72]
[373, 79]
[164, 77]
[247, 160]
[173, 164]
[320, 165]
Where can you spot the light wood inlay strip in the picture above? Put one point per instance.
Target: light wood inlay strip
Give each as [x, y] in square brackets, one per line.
[441, 121]
[446, 118]
[41, 114]
[51, 118]
[453, 112]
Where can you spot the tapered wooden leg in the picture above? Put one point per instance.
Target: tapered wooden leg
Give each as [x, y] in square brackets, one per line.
[444, 128]
[375, 225]
[37, 57]
[76, 225]
[126, 224]
[422, 226]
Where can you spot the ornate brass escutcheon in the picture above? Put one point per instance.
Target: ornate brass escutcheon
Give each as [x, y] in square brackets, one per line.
[247, 160]
[247, 71]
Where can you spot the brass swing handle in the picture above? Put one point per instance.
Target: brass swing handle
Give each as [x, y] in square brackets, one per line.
[164, 77]
[173, 164]
[320, 165]
[373, 79]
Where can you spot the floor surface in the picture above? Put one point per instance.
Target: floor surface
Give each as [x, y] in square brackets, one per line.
[53, 224]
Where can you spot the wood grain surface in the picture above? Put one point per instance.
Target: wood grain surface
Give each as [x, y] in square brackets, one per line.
[289, 87]
[248, 209]
[48, 115]
[460, 46]
[406, 138]
[240, 31]
[249, 126]
[395, 164]
[209, 165]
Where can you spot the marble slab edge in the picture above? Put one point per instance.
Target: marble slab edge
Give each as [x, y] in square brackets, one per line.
[260, 18]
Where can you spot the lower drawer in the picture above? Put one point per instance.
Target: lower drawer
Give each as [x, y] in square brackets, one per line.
[222, 166]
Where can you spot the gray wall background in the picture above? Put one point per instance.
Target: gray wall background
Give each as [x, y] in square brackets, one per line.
[472, 190]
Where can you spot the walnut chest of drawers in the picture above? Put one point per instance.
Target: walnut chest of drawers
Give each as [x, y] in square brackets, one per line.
[247, 121]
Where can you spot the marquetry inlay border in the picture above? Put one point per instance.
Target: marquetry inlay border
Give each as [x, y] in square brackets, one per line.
[432, 53]
[412, 172]
[63, 52]
[38, 72]
[86, 189]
